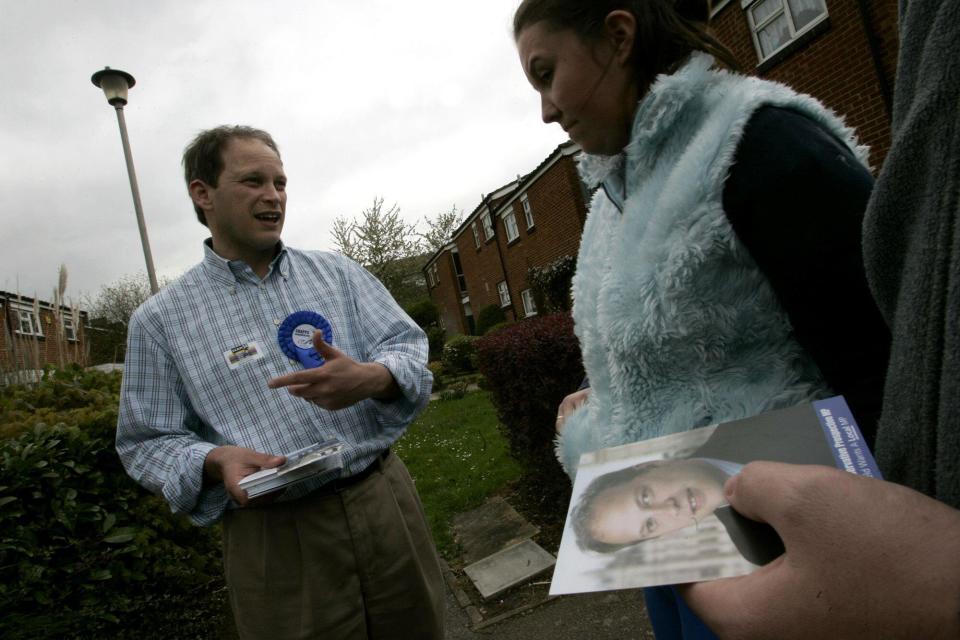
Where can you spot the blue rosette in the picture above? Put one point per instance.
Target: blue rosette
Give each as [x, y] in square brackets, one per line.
[295, 336]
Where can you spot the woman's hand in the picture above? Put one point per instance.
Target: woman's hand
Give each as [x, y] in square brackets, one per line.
[570, 404]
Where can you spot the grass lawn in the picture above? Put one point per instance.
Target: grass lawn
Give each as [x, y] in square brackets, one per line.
[458, 458]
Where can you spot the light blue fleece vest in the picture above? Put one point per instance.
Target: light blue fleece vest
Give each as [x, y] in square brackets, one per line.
[678, 327]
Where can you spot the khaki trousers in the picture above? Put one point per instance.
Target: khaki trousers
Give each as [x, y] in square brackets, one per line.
[355, 564]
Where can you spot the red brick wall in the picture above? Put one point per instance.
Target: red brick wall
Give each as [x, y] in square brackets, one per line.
[559, 211]
[31, 352]
[836, 66]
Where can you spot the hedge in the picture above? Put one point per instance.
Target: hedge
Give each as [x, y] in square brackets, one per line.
[529, 367]
[84, 551]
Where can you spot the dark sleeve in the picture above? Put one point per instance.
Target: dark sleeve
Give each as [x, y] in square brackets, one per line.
[796, 197]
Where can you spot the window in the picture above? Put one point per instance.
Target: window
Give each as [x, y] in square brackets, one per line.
[430, 276]
[476, 234]
[487, 225]
[504, 293]
[527, 210]
[529, 306]
[510, 224]
[435, 272]
[69, 328]
[28, 321]
[777, 23]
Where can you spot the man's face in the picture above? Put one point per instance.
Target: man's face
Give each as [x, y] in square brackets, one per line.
[245, 211]
[665, 499]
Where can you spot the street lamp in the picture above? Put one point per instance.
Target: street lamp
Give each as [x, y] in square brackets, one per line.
[115, 84]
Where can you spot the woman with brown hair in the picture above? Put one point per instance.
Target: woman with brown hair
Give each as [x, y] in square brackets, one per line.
[720, 272]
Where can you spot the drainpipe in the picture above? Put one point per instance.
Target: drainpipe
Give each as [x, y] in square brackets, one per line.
[874, 45]
[503, 264]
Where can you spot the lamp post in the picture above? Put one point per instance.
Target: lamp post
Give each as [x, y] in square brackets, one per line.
[115, 84]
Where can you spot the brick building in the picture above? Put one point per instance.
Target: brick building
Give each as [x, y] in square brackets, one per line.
[33, 334]
[842, 52]
[529, 222]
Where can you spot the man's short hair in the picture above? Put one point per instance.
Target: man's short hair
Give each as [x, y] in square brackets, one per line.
[203, 157]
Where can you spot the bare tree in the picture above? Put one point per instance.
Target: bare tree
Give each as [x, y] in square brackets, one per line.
[116, 302]
[381, 241]
[440, 228]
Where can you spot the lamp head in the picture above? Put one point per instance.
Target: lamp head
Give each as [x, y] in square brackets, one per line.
[114, 83]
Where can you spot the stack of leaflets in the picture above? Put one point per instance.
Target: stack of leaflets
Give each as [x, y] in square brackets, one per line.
[300, 465]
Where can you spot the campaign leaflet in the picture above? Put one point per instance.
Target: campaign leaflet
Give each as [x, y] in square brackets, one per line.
[653, 512]
[300, 465]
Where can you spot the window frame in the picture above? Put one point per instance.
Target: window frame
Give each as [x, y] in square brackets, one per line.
[795, 35]
[69, 330]
[527, 210]
[503, 290]
[487, 223]
[476, 234]
[529, 304]
[32, 319]
[508, 216]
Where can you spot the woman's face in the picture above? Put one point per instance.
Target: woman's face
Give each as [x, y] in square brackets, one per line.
[664, 499]
[589, 90]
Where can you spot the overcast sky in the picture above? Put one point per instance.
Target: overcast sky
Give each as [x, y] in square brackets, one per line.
[421, 102]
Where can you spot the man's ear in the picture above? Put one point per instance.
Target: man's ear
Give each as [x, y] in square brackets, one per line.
[621, 29]
[200, 194]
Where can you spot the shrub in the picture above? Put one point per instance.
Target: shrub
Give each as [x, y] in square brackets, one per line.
[459, 354]
[551, 284]
[489, 316]
[436, 368]
[497, 327]
[424, 312]
[436, 337]
[84, 551]
[529, 368]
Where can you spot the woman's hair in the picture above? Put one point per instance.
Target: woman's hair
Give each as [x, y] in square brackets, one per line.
[667, 30]
[583, 513]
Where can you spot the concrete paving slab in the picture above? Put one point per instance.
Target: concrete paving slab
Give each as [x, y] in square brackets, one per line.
[509, 567]
[491, 528]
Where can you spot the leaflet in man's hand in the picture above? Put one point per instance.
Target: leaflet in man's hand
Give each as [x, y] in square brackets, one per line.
[300, 465]
[654, 512]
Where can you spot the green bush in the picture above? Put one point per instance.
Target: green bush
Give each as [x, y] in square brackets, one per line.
[459, 354]
[84, 551]
[497, 327]
[489, 316]
[551, 284]
[436, 368]
[424, 313]
[529, 368]
[436, 337]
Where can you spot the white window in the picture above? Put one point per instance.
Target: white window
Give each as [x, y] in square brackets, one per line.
[777, 23]
[529, 306]
[510, 224]
[476, 234]
[28, 322]
[504, 293]
[69, 329]
[527, 210]
[436, 274]
[487, 225]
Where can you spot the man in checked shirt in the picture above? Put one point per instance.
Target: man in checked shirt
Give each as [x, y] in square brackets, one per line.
[208, 398]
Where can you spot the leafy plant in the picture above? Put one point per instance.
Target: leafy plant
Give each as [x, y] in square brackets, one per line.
[489, 316]
[551, 284]
[458, 355]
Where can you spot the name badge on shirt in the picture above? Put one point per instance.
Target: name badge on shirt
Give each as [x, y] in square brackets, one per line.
[242, 354]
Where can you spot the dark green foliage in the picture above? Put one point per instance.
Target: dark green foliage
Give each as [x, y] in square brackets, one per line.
[436, 337]
[497, 327]
[459, 354]
[551, 284]
[489, 316]
[424, 312]
[529, 368]
[84, 551]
